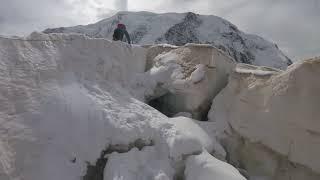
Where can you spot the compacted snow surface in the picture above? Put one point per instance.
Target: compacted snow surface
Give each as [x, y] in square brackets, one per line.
[66, 100]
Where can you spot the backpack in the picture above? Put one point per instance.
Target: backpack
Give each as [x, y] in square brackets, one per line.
[118, 34]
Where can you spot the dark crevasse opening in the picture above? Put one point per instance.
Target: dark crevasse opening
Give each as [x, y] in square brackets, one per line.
[163, 106]
[96, 171]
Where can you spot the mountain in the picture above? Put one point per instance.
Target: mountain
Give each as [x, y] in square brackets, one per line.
[182, 28]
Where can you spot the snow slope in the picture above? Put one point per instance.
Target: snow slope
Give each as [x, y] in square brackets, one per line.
[179, 29]
[66, 107]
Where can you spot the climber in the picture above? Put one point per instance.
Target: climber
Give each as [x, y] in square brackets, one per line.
[119, 32]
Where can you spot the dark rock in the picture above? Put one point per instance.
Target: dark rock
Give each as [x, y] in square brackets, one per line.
[184, 32]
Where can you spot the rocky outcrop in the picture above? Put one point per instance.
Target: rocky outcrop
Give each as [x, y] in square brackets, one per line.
[269, 120]
[184, 32]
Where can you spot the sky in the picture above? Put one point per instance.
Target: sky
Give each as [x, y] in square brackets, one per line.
[293, 24]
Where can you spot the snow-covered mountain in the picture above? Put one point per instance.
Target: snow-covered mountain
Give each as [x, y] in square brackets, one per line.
[179, 29]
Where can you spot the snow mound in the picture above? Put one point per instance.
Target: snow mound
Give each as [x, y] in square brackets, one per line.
[138, 165]
[190, 128]
[206, 167]
[183, 114]
[180, 29]
[198, 74]
[277, 116]
[66, 105]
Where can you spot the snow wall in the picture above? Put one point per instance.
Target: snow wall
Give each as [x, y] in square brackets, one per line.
[52, 93]
[270, 120]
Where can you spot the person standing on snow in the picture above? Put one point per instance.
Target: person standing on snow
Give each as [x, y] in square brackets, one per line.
[119, 32]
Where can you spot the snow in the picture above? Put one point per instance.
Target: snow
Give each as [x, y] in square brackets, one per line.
[155, 83]
[150, 163]
[186, 79]
[190, 128]
[167, 46]
[149, 23]
[255, 70]
[138, 165]
[67, 98]
[266, 53]
[183, 114]
[198, 74]
[57, 107]
[206, 167]
[151, 28]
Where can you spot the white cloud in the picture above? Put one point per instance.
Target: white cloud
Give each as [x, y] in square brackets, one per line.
[293, 24]
[22, 17]
[121, 5]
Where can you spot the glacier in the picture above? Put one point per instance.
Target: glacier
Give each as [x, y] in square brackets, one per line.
[75, 107]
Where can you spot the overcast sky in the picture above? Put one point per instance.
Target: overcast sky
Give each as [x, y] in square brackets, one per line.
[293, 24]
